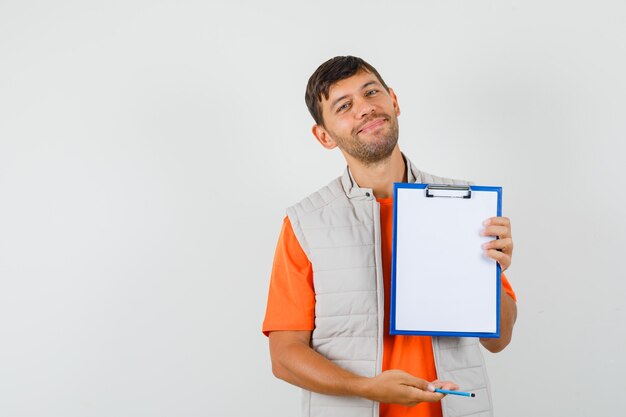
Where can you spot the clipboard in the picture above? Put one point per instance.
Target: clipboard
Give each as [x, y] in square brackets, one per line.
[442, 284]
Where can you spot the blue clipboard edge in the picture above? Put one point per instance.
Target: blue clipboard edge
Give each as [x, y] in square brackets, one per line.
[392, 307]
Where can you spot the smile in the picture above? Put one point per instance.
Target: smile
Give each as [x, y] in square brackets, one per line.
[373, 125]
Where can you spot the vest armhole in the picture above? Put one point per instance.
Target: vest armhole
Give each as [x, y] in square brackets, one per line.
[297, 230]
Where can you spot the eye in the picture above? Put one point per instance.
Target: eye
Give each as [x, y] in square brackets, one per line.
[343, 107]
[371, 92]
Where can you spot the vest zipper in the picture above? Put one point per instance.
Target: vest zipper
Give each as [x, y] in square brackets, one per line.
[380, 292]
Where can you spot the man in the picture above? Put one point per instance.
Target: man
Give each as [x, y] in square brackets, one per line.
[328, 305]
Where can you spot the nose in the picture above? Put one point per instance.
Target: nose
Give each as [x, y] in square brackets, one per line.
[363, 108]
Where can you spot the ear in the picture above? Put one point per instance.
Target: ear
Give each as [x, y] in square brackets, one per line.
[394, 98]
[323, 137]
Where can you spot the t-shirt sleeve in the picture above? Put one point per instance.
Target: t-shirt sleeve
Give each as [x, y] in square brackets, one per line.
[506, 285]
[291, 298]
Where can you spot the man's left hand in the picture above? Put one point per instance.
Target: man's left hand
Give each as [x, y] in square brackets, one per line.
[501, 249]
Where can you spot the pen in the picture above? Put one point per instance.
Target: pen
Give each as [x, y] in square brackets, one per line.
[464, 394]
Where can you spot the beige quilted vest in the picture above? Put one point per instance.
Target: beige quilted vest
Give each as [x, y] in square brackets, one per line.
[338, 228]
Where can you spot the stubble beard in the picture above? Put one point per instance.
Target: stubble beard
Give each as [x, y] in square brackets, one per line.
[375, 150]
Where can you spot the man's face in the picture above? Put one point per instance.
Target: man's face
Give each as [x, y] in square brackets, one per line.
[361, 118]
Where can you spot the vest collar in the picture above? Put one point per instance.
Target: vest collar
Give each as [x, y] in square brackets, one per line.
[352, 189]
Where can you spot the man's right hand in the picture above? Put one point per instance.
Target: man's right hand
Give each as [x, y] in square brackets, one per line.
[398, 387]
[294, 361]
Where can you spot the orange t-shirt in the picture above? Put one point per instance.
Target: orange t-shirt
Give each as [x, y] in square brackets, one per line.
[291, 306]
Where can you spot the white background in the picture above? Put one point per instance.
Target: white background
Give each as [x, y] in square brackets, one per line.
[148, 150]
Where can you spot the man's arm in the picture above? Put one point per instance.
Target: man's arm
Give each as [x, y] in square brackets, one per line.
[501, 250]
[508, 314]
[294, 361]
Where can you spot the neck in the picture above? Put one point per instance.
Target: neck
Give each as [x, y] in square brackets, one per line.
[380, 176]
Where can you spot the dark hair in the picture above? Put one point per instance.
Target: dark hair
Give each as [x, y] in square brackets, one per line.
[327, 74]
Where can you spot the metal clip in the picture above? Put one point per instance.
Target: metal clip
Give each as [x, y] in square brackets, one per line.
[450, 191]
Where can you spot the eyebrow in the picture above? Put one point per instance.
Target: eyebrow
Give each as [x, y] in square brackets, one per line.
[367, 84]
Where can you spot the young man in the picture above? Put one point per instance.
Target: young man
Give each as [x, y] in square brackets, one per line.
[328, 305]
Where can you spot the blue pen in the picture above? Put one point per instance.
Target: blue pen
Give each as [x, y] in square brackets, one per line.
[464, 394]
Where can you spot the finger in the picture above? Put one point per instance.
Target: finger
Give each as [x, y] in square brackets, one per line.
[416, 396]
[494, 230]
[424, 396]
[502, 258]
[418, 383]
[500, 221]
[449, 385]
[505, 245]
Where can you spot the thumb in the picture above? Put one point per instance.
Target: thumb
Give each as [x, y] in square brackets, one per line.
[420, 383]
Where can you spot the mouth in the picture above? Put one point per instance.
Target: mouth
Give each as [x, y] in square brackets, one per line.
[373, 125]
